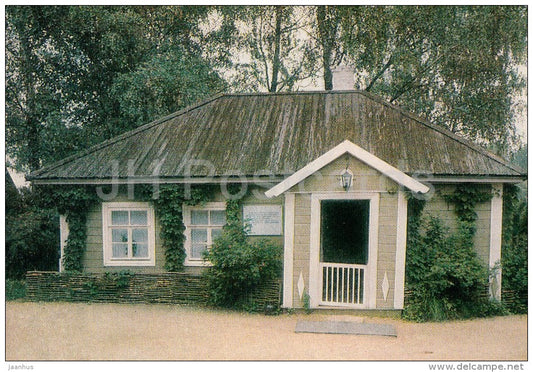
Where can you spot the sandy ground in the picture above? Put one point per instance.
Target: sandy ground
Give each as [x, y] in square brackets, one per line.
[62, 331]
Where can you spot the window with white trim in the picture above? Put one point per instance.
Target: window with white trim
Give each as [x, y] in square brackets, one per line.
[203, 225]
[128, 232]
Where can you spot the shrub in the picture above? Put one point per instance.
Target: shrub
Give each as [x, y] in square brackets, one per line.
[15, 289]
[515, 252]
[239, 265]
[444, 275]
[32, 241]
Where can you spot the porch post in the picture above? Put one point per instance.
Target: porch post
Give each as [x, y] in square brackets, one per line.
[496, 212]
[63, 236]
[288, 251]
[401, 243]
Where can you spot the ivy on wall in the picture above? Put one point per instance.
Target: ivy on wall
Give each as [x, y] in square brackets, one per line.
[465, 198]
[76, 201]
[444, 277]
[169, 209]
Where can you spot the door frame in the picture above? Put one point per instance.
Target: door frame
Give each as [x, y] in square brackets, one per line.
[370, 283]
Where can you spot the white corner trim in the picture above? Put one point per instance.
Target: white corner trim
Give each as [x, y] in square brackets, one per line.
[288, 251]
[401, 246]
[314, 252]
[496, 215]
[359, 153]
[63, 236]
[373, 246]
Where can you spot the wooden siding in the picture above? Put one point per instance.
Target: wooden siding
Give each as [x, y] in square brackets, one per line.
[387, 231]
[302, 231]
[366, 179]
[93, 261]
[438, 207]
[278, 134]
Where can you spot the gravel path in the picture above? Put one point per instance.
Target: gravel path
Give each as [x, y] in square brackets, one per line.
[66, 331]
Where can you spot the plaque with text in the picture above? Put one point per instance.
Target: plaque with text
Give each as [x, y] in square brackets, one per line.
[263, 219]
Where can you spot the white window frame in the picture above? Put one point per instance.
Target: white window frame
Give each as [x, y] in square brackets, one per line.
[107, 208]
[187, 209]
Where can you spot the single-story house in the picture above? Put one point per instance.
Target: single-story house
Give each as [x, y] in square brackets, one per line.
[326, 174]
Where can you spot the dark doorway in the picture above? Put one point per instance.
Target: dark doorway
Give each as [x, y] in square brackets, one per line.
[344, 231]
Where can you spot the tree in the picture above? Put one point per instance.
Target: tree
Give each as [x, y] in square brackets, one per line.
[167, 82]
[455, 65]
[273, 52]
[32, 93]
[67, 69]
[327, 20]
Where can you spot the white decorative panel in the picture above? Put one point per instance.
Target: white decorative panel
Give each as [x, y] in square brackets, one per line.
[301, 285]
[385, 286]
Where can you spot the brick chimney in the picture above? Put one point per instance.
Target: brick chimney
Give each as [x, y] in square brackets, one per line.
[343, 78]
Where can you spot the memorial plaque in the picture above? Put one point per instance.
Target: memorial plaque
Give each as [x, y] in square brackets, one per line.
[263, 219]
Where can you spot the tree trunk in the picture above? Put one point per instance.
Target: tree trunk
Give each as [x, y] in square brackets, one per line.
[327, 46]
[30, 120]
[276, 62]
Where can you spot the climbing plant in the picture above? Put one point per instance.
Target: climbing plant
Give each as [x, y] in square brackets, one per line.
[515, 249]
[169, 209]
[465, 198]
[75, 202]
[444, 277]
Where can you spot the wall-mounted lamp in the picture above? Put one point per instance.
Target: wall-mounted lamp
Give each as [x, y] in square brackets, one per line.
[346, 179]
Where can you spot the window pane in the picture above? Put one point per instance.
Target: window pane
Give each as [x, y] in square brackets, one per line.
[199, 236]
[215, 233]
[197, 250]
[119, 235]
[139, 217]
[139, 235]
[119, 218]
[139, 250]
[199, 217]
[218, 218]
[120, 250]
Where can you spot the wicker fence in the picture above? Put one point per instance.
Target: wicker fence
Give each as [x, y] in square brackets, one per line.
[170, 288]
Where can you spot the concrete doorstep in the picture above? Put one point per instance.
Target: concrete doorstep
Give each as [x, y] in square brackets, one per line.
[343, 327]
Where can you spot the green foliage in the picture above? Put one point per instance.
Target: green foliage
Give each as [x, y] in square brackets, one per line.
[444, 275]
[166, 83]
[74, 202]
[455, 65]
[76, 75]
[239, 264]
[32, 236]
[307, 303]
[15, 289]
[170, 213]
[275, 51]
[94, 286]
[120, 279]
[515, 249]
[465, 198]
